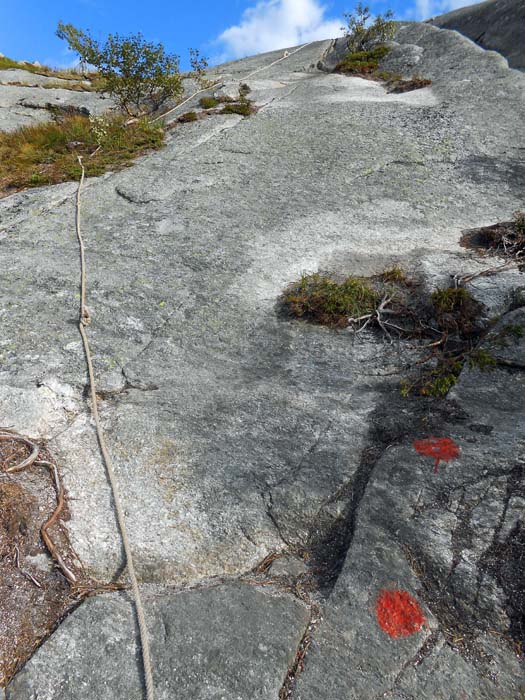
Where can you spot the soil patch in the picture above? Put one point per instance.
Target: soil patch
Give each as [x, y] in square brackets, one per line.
[34, 594]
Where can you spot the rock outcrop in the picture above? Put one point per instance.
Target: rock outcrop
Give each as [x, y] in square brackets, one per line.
[497, 25]
[28, 98]
[267, 466]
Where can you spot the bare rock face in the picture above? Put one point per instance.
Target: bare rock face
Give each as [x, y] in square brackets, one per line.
[255, 451]
[26, 98]
[233, 641]
[497, 25]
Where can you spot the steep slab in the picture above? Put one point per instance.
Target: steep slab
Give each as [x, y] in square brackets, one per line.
[236, 434]
[497, 25]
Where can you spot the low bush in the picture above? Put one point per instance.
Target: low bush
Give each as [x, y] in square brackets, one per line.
[242, 106]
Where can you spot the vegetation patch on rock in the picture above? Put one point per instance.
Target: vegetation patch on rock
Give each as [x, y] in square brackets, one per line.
[320, 299]
[188, 117]
[46, 154]
[208, 102]
[446, 326]
[242, 106]
[399, 85]
[506, 238]
[363, 62]
[8, 63]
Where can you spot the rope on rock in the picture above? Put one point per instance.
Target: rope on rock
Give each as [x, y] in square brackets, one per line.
[283, 58]
[84, 321]
[218, 82]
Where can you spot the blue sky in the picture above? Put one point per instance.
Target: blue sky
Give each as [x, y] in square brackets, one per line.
[221, 31]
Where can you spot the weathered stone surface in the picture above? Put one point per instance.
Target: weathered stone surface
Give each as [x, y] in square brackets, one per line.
[18, 75]
[22, 106]
[496, 24]
[233, 641]
[453, 538]
[238, 435]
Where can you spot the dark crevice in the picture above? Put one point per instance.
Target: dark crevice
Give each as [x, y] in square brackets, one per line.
[297, 666]
[391, 422]
[504, 560]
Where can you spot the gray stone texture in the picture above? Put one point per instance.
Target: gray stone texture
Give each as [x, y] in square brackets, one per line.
[26, 104]
[226, 643]
[498, 25]
[238, 434]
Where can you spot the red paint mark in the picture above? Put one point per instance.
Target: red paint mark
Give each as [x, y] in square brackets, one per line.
[398, 613]
[439, 448]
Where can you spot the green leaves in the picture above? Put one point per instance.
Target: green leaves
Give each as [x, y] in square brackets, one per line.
[138, 74]
[360, 32]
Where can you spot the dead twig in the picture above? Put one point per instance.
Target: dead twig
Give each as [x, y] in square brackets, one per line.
[53, 519]
[30, 461]
[25, 574]
[4, 437]
[461, 281]
[377, 317]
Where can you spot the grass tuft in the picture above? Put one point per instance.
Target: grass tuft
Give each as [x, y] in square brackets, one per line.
[46, 154]
[394, 274]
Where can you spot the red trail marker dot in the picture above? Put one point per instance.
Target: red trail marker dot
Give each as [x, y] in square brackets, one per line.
[439, 448]
[398, 613]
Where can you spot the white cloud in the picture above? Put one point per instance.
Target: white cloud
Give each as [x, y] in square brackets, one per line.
[275, 24]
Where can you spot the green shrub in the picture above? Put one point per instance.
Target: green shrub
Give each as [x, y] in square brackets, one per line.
[360, 31]
[138, 74]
